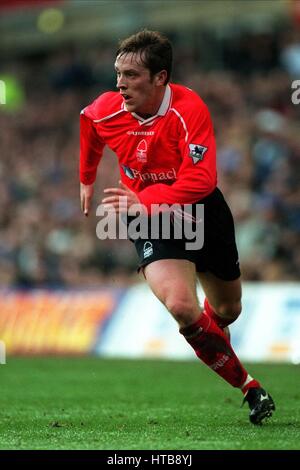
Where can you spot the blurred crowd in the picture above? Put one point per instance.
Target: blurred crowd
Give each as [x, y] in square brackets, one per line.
[45, 240]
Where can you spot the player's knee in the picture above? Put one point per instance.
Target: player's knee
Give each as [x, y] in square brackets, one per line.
[183, 310]
[230, 310]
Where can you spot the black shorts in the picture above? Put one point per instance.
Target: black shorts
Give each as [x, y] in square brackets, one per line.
[219, 253]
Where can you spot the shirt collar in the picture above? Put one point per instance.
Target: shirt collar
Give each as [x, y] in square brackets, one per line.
[165, 105]
[165, 102]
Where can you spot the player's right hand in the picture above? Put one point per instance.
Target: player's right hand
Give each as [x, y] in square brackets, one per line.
[86, 194]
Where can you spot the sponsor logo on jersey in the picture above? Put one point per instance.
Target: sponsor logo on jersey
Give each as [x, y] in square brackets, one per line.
[140, 132]
[197, 152]
[141, 151]
[148, 249]
[128, 172]
[132, 173]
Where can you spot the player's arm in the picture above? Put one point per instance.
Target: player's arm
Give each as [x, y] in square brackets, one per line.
[91, 148]
[196, 177]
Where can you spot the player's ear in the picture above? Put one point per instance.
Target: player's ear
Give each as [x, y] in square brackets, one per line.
[161, 77]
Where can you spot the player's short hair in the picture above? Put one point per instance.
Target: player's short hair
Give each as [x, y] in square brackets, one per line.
[155, 50]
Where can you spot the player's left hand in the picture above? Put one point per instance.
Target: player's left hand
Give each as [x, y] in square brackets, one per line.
[122, 199]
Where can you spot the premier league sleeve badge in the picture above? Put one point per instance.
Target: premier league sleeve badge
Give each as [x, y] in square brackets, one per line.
[197, 152]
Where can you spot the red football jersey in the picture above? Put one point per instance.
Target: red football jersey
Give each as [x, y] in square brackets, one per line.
[167, 158]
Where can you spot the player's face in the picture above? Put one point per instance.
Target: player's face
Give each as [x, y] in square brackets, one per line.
[142, 93]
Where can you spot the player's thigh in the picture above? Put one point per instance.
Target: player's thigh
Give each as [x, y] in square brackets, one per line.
[221, 294]
[173, 281]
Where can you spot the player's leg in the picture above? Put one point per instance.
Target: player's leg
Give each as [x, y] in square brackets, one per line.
[223, 298]
[173, 281]
[223, 305]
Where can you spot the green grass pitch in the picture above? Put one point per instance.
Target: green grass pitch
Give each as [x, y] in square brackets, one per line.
[92, 403]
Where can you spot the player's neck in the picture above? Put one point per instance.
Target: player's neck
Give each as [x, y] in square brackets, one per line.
[153, 108]
[145, 115]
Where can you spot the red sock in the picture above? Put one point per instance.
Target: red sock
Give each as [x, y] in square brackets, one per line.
[250, 383]
[221, 322]
[213, 348]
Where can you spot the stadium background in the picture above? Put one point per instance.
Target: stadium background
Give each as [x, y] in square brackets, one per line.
[63, 291]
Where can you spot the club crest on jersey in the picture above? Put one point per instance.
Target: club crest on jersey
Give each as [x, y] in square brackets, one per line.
[197, 152]
[141, 151]
[148, 249]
